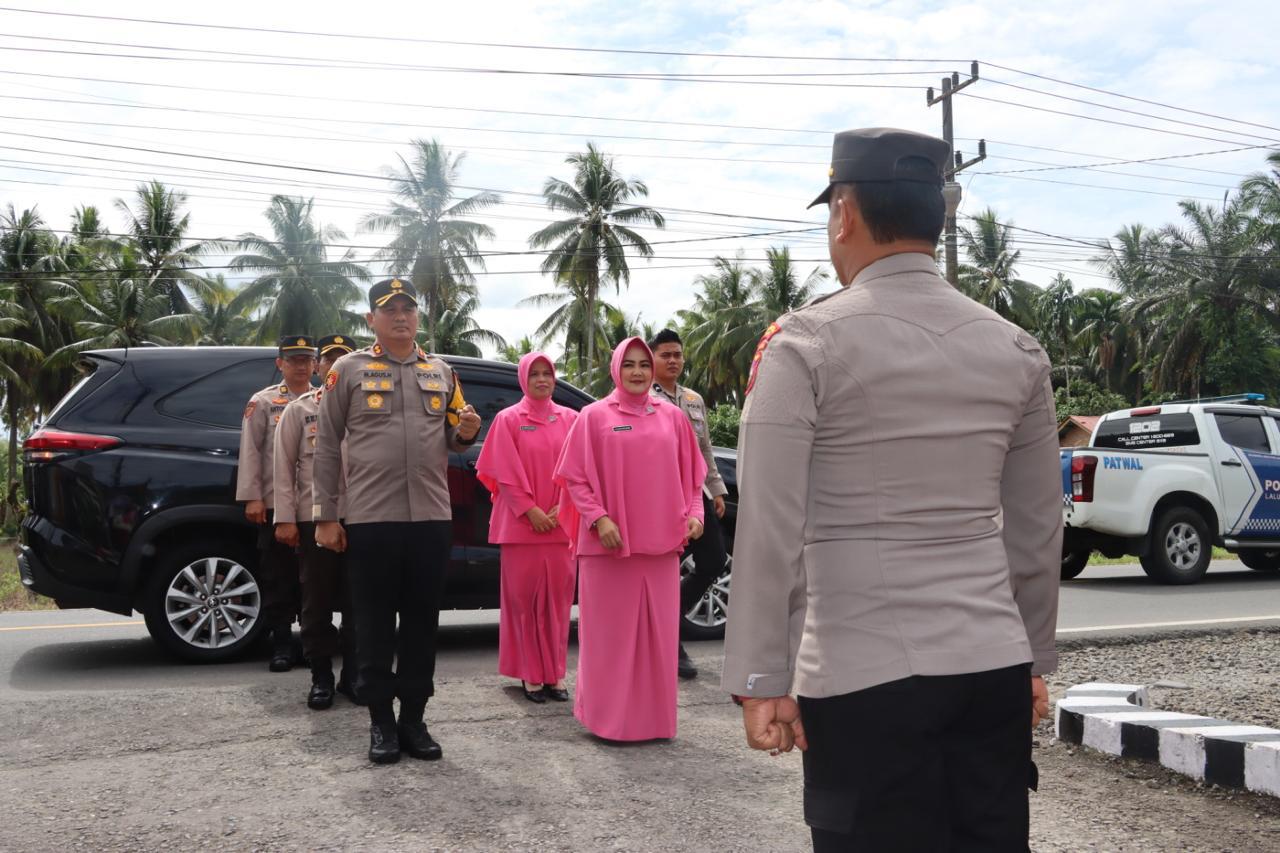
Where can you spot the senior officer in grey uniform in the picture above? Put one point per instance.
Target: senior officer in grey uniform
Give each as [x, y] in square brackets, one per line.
[899, 531]
[277, 562]
[401, 412]
[708, 551]
[324, 587]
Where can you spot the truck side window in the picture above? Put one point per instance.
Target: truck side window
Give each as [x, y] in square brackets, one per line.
[1244, 431]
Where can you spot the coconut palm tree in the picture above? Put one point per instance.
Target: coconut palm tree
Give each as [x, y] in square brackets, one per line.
[219, 324]
[1057, 310]
[568, 321]
[156, 227]
[991, 276]
[434, 243]
[458, 333]
[590, 246]
[722, 329]
[514, 352]
[302, 291]
[779, 287]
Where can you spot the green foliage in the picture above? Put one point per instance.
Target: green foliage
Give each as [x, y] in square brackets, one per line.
[723, 421]
[1087, 399]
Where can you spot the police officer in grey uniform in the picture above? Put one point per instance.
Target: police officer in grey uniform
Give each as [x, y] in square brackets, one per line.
[401, 412]
[899, 531]
[708, 551]
[277, 562]
[324, 587]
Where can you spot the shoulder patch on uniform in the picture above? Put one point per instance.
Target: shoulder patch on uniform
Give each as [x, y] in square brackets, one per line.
[331, 378]
[773, 329]
[248, 410]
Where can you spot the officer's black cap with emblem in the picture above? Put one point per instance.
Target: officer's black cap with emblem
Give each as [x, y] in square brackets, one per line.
[297, 345]
[384, 291]
[881, 154]
[342, 344]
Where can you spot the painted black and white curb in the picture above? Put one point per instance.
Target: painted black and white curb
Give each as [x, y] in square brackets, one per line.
[1116, 719]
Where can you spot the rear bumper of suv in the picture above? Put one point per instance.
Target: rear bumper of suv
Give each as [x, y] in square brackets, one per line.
[37, 578]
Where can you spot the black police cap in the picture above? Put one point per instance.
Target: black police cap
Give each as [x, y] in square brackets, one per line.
[875, 154]
[297, 345]
[383, 292]
[329, 343]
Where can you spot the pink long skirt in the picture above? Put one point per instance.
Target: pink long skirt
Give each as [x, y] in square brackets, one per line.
[536, 597]
[628, 635]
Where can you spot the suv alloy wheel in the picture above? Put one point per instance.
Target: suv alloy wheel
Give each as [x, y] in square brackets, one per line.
[204, 601]
[1180, 547]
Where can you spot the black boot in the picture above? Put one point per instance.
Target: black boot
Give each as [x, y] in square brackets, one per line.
[384, 742]
[414, 737]
[281, 649]
[684, 666]
[320, 696]
[347, 687]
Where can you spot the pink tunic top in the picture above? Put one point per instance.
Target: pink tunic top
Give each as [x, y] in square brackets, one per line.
[636, 460]
[517, 461]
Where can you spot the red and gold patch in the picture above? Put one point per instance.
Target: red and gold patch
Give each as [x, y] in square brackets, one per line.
[331, 379]
[773, 329]
[248, 410]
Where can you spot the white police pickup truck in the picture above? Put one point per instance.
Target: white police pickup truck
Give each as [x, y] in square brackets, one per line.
[1166, 483]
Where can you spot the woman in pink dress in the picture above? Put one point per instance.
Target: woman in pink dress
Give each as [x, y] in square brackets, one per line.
[516, 465]
[633, 476]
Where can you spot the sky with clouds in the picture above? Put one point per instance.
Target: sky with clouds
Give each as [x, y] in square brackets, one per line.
[736, 145]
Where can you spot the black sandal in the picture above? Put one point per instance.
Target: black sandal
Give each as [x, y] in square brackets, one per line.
[556, 694]
[535, 697]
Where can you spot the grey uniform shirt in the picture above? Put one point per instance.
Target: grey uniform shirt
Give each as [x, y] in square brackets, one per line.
[255, 474]
[691, 403]
[399, 419]
[900, 494]
[294, 458]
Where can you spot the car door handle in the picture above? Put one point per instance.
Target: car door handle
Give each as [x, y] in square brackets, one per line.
[1232, 463]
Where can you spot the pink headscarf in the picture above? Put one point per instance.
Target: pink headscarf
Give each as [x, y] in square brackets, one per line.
[537, 409]
[636, 404]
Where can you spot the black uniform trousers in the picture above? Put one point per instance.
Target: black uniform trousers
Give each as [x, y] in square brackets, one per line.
[708, 558]
[397, 567]
[324, 590]
[924, 764]
[278, 565]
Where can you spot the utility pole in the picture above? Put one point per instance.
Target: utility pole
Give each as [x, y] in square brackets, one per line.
[951, 188]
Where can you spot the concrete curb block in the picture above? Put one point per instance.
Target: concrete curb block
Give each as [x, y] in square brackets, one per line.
[1116, 719]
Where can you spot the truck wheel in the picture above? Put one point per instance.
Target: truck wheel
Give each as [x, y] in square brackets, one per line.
[1073, 562]
[1259, 560]
[203, 601]
[1180, 547]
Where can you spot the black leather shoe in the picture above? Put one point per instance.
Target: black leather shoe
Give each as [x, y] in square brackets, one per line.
[346, 688]
[321, 695]
[384, 744]
[417, 741]
[534, 696]
[555, 694]
[281, 650]
[684, 666]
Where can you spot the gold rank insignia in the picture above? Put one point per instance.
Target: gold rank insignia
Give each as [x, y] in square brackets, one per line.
[374, 401]
[396, 284]
[434, 386]
[375, 365]
[690, 398]
[302, 342]
[436, 404]
[386, 384]
[377, 349]
[280, 401]
[337, 339]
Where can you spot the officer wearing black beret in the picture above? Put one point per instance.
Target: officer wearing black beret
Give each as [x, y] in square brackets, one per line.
[899, 530]
[255, 481]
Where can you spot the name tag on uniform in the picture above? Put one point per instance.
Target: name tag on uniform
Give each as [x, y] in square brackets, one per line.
[528, 428]
[622, 429]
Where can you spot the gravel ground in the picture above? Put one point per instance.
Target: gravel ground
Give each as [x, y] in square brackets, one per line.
[247, 767]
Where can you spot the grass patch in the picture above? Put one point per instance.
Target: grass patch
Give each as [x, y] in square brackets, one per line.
[1099, 560]
[13, 595]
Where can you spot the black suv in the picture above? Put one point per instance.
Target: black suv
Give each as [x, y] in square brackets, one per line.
[130, 487]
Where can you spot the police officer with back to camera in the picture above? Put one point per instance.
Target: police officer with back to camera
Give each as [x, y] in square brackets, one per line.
[324, 587]
[708, 550]
[401, 412]
[899, 531]
[277, 562]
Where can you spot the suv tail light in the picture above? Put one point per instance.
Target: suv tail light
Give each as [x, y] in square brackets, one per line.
[1083, 469]
[47, 444]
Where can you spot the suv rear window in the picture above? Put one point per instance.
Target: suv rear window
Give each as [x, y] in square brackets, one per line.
[1151, 432]
[219, 398]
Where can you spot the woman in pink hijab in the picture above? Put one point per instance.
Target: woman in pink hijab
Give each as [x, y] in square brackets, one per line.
[515, 465]
[633, 475]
